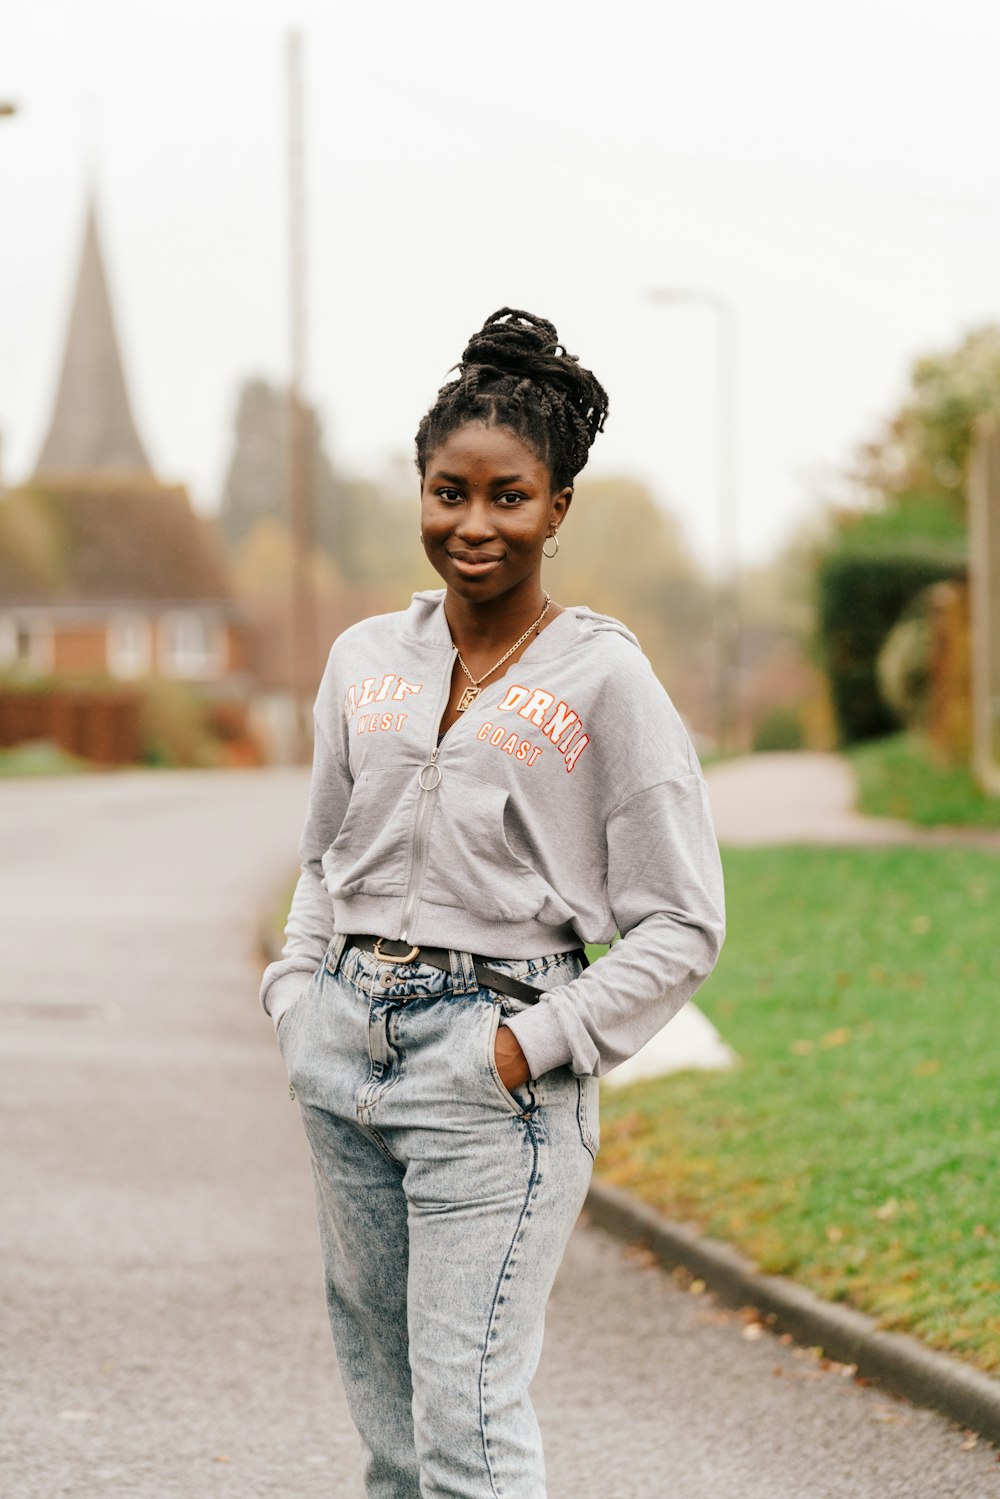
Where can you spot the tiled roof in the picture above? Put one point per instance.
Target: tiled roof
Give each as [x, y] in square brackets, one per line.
[98, 539]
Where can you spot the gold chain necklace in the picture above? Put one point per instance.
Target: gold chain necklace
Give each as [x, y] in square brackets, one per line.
[471, 693]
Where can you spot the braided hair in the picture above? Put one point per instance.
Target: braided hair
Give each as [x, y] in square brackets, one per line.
[515, 373]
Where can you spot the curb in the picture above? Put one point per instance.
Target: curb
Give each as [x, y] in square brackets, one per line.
[894, 1360]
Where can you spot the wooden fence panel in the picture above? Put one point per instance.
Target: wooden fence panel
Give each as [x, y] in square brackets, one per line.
[99, 726]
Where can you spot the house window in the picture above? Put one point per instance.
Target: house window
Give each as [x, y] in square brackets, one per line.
[25, 646]
[191, 646]
[8, 641]
[129, 646]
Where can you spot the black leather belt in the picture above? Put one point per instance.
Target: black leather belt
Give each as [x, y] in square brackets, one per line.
[440, 957]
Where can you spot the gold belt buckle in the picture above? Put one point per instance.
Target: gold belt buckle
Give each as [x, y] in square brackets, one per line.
[385, 957]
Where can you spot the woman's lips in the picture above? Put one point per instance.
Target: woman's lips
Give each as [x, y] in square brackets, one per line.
[474, 564]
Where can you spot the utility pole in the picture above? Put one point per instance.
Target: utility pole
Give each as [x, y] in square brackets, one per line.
[298, 461]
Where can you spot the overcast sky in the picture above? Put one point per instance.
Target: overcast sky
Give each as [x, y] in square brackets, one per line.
[833, 171]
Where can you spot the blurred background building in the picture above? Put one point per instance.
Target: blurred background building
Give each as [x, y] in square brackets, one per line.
[108, 577]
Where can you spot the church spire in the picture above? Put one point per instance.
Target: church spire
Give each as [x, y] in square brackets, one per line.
[92, 429]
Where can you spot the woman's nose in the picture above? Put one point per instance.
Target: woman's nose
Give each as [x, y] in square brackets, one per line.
[476, 522]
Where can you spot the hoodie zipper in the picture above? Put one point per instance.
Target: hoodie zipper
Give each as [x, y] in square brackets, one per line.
[429, 780]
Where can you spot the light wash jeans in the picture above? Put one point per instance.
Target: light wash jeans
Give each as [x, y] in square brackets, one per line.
[445, 1203]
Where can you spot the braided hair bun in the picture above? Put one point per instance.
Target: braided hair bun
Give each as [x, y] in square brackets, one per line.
[515, 373]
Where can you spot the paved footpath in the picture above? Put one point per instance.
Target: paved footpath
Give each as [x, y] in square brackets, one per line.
[809, 798]
[161, 1323]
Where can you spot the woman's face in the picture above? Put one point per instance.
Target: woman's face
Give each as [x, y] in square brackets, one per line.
[486, 508]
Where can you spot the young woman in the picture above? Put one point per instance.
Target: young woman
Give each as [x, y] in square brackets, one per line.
[497, 780]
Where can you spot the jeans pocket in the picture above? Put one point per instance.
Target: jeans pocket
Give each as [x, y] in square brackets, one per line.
[521, 1106]
[588, 1113]
[286, 1020]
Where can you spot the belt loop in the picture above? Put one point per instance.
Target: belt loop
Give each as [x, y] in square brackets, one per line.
[463, 973]
[334, 952]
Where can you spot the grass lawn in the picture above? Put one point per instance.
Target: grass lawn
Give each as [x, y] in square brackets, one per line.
[857, 1147]
[896, 778]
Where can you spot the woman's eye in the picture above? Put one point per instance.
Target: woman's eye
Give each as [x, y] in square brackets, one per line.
[448, 495]
[510, 499]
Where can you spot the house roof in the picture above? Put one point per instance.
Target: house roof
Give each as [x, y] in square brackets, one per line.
[92, 428]
[100, 540]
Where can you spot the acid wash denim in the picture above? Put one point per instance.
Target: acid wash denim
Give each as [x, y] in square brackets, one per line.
[444, 1203]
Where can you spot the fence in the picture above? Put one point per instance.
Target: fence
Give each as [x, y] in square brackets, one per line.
[98, 726]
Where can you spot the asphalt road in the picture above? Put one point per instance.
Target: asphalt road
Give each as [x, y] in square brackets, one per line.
[163, 1332]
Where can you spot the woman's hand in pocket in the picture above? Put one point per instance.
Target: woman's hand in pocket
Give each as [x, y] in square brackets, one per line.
[511, 1063]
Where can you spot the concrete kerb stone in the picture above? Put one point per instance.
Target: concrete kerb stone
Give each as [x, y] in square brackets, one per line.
[897, 1362]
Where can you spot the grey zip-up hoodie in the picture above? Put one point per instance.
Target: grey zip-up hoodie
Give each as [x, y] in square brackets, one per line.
[565, 805]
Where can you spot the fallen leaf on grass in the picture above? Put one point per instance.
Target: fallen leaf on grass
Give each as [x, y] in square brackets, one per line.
[802, 1048]
[888, 1210]
[928, 1068]
[920, 925]
[839, 1037]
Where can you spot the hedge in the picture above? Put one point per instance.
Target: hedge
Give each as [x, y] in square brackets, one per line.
[861, 596]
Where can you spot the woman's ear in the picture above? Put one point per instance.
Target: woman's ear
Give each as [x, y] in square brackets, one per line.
[561, 503]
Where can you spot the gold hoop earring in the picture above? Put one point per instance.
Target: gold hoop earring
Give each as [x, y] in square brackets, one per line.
[553, 537]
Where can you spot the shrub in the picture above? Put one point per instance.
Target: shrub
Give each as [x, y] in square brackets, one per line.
[174, 725]
[779, 729]
[903, 666]
[861, 597]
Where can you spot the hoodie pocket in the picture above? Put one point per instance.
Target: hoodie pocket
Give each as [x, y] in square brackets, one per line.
[368, 855]
[472, 863]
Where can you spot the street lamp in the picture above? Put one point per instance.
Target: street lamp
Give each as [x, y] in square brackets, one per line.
[727, 506]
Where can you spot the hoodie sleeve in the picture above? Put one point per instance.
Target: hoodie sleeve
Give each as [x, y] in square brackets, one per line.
[666, 893]
[310, 920]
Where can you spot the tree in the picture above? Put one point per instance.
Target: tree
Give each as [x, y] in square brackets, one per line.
[255, 482]
[361, 524]
[913, 531]
[625, 555]
[919, 460]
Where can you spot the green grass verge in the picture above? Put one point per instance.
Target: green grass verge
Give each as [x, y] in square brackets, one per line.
[896, 778]
[856, 1147]
[40, 758]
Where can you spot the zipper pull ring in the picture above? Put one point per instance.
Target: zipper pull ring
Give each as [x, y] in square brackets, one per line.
[430, 774]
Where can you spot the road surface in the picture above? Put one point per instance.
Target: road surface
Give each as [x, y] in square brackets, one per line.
[163, 1332]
